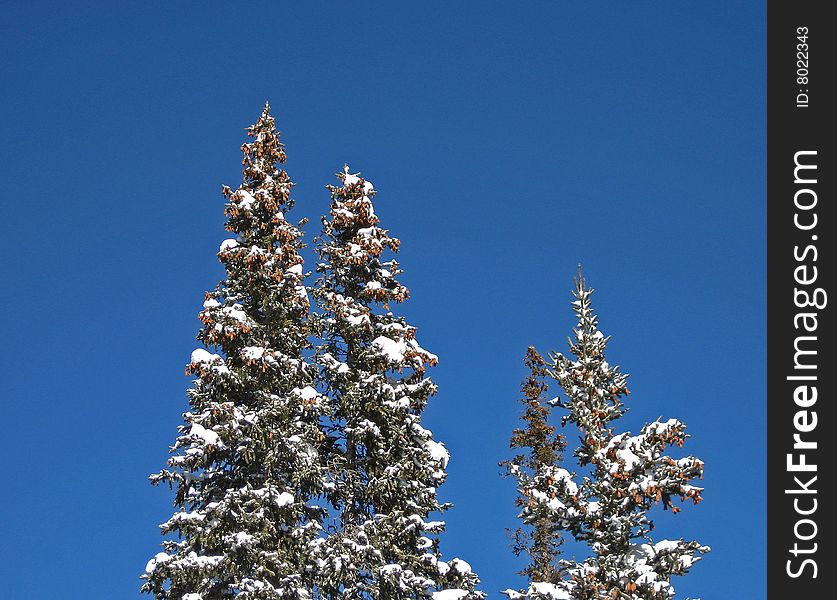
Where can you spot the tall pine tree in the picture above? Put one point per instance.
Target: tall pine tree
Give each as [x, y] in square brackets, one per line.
[388, 464]
[542, 447]
[246, 466]
[624, 476]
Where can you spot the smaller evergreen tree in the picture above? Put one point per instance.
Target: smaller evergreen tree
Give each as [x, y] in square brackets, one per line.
[542, 448]
[623, 476]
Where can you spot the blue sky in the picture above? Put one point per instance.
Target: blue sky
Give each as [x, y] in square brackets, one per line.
[507, 143]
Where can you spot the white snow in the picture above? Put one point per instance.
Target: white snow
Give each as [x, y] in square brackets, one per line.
[666, 546]
[628, 457]
[335, 365]
[211, 303]
[352, 179]
[454, 594]
[252, 352]
[306, 393]
[236, 311]
[428, 356]
[160, 558]
[241, 539]
[284, 499]
[188, 517]
[460, 566]
[207, 435]
[555, 504]
[245, 199]
[549, 590]
[296, 270]
[439, 454]
[394, 350]
[228, 244]
[356, 320]
[662, 427]
[389, 569]
[200, 355]
[367, 426]
[560, 474]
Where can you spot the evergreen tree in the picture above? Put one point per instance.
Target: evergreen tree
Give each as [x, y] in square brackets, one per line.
[388, 465]
[627, 475]
[540, 537]
[246, 465]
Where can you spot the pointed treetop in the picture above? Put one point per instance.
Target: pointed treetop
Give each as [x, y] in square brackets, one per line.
[354, 183]
[580, 282]
[266, 150]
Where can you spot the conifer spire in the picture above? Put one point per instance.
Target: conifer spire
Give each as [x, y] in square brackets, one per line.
[246, 466]
[539, 539]
[623, 476]
[388, 464]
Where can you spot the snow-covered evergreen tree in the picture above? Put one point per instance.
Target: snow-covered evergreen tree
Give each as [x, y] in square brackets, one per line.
[384, 546]
[540, 537]
[626, 475]
[246, 466]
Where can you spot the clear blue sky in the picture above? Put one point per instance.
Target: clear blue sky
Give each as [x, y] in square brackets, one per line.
[507, 143]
